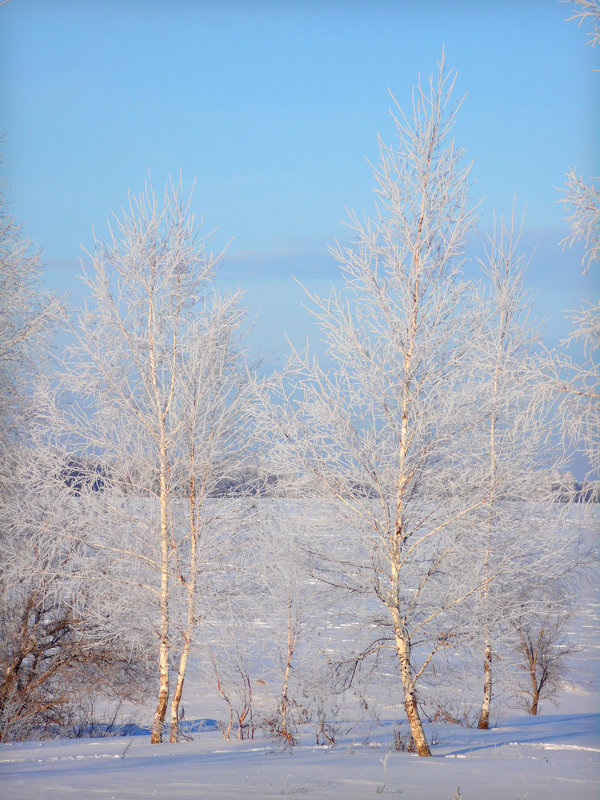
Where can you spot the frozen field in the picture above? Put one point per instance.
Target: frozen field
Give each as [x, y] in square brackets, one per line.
[554, 755]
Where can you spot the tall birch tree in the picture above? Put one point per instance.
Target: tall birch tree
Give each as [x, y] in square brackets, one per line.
[577, 379]
[160, 399]
[384, 434]
[518, 540]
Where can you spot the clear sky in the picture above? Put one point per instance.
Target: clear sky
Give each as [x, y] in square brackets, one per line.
[274, 107]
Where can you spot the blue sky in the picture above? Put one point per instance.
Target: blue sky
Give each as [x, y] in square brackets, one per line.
[274, 108]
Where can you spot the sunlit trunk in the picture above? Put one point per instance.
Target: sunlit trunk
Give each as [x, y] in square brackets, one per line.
[535, 701]
[191, 619]
[531, 651]
[163, 658]
[163, 693]
[484, 716]
[403, 650]
[403, 647]
[175, 702]
[286, 676]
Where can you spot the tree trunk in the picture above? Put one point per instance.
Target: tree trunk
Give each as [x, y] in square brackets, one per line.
[163, 693]
[535, 686]
[174, 737]
[410, 697]
[403, 646]
[163, 663]
[286, 676]
[191, 599]
[484, 717]
[534, 705]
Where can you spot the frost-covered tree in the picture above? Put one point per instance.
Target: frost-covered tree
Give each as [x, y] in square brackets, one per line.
[25, 315]
[59, 652]
[520, 537]
[577, 379]
[522, 432]
[55, 654]
[154, 393]
[289, 604]
[384, 433]
[541, 644]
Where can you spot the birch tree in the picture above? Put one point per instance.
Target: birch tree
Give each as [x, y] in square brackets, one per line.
[160, 398]
[385, 433]
[525, 414]
[290, 604]
[577, 379]
[521, 522]
[56, 654]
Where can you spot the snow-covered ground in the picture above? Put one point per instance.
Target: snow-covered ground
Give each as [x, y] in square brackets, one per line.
[554, 755]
